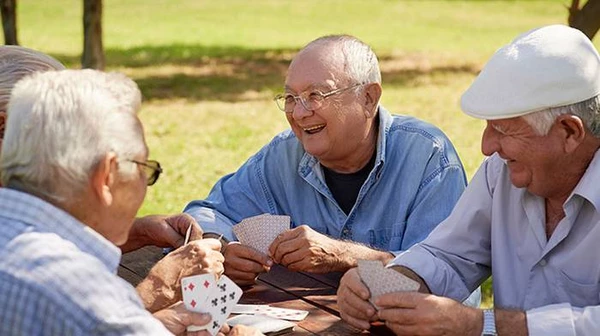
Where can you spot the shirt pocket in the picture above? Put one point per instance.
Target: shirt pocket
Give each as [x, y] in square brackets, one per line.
[388, 239]
[575, 292]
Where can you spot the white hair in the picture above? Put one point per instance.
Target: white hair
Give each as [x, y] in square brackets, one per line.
[17, 62]
[588, 110]
[61, 124]
[361, 64]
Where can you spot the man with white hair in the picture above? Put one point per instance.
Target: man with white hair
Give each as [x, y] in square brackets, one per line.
[356, 181]
[530, 216]
[161, 288]
[75, 169]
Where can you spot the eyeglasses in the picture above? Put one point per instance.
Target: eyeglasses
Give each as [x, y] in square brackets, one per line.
[310, 100]
[152, 170]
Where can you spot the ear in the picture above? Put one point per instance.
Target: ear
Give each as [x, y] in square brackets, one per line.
[372, 95]
[572, 130]
[104, 178]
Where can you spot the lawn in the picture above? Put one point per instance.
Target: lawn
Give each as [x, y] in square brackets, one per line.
[208, 69]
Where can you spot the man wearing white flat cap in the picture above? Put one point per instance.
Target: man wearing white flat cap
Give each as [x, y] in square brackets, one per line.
[530, 216]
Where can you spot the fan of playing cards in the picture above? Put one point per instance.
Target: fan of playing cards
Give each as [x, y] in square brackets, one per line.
[259, 231]
[205, 294]
[381, 280]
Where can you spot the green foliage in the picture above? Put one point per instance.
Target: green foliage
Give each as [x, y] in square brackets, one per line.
[208, 69]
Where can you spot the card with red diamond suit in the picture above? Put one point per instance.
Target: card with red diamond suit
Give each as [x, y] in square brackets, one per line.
[195, 290]
[204, 294]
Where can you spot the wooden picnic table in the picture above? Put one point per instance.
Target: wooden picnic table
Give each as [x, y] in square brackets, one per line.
[279, 288]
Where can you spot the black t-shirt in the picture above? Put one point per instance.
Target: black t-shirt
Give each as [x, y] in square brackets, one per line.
[345, 187]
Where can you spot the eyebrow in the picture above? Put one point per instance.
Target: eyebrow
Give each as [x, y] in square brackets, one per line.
[320, 87]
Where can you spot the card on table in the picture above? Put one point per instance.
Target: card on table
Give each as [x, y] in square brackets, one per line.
[267, 325]
[275, 312]
[259, 231]
[203, 293]
[381, 280]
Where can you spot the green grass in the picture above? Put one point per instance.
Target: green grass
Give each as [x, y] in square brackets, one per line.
[208, 69]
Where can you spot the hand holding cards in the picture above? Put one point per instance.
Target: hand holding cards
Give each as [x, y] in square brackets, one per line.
[205, 294]
[259, 232]
[381, 280]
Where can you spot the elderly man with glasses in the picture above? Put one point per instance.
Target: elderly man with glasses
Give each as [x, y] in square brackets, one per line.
[161, 287]
[357, 182]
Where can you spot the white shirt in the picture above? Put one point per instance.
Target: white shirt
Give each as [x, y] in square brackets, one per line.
[499, 229]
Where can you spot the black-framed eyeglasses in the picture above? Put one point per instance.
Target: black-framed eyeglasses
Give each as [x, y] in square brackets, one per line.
[152, 170]
[310, 100]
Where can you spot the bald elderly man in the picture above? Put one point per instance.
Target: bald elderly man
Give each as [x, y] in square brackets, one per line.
[530, 216]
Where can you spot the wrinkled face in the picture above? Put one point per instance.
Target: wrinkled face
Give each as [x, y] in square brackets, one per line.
[332, 132]
[534, 161]
[129, 194]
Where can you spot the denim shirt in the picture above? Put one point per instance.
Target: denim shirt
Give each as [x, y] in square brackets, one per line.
[416, 180]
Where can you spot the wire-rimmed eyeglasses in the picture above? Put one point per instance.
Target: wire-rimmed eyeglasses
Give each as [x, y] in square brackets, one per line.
[152, 170]
[310, 100]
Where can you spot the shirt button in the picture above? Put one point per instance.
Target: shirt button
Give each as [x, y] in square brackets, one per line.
[543, 262]
[345, 232]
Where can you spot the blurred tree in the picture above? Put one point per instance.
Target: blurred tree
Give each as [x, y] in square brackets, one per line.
[93, 51]
[8, 8]
[586, 18]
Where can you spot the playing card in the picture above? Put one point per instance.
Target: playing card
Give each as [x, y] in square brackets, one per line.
[381, 280]
[220, 303]
[259, 232]
[267, 325]
[195, 290]
[275, 312]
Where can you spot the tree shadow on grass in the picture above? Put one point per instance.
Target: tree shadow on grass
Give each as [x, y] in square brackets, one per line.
[233, 74]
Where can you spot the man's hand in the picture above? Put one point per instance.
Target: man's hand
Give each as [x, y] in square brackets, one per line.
[243, 263]
[353, 302]
[162, 286]
[176, 319]
[304, 249]
[161, 231]
[413, 313]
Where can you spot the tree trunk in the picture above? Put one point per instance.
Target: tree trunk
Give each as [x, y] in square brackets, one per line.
[586, 19]
[93, 51]
[8, 8]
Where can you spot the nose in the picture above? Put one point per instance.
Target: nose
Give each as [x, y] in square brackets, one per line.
[300, 111]
[490, 141]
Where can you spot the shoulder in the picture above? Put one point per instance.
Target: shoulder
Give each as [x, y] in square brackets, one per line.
[284, 146]
[45, 268]
[420, 140]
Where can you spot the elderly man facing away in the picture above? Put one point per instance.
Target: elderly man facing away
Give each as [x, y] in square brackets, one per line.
[161, 288]
[74, 166]
[531, 215]
[357, 182]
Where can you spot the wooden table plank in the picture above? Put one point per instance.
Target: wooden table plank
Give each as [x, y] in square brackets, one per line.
[280, 287]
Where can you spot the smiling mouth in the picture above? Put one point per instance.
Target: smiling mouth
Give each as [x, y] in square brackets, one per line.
[314, 129]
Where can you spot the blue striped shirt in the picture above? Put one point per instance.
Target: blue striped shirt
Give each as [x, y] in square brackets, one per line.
[58, 276]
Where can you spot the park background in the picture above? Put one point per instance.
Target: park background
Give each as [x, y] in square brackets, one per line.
[208, 69]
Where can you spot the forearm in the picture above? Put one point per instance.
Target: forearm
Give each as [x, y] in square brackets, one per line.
[511, 322]
[155, 293]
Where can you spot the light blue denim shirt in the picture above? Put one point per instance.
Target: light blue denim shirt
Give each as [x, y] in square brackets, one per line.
[499, 229]
[58, 276]
[416, 180]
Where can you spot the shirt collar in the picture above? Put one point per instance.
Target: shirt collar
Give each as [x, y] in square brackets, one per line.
[588, 184]
[45, 217]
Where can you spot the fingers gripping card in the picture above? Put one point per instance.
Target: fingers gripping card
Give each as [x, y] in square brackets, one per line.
[217, 299]
[259, 232]
[381, 280]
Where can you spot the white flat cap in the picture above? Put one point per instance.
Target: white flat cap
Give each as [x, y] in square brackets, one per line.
[546, 67]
